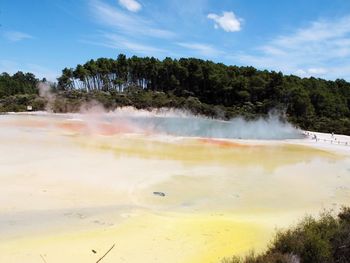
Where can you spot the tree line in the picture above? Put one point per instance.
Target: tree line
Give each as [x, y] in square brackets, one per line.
[214, 83]
[253, 91]
[311, 103]
[18, 83]
[18, 91]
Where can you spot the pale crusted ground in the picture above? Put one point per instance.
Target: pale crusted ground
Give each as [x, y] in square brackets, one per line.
[70, 186]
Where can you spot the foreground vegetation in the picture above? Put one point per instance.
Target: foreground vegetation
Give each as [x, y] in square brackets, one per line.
[323, 240]
[204, 87]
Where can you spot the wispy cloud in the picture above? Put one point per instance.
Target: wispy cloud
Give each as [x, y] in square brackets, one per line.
[321, 49]
[201, 49]
[126, 23]
[123, 44]
[227, 21]
[131, 5]
[16, 36]
[116, 41]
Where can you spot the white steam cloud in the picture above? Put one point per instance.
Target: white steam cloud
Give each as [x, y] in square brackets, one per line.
[181, 123]
[45, 92]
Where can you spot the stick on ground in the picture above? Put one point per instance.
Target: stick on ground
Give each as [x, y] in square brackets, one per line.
[42, 257]
[109, 250]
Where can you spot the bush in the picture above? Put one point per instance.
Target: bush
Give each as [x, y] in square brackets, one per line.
[325, 240]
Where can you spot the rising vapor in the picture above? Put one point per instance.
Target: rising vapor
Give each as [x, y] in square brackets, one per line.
[181, 123]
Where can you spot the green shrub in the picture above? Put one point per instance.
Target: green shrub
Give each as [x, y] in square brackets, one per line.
[322, 240]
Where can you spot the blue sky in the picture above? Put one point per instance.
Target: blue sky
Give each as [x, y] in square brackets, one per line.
[301, 37]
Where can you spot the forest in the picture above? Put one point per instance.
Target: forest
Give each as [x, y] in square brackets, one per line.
[201, 86]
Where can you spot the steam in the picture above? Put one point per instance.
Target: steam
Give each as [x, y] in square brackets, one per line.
[175, 122]
[181, 123]
[46, 93]
[238, 128]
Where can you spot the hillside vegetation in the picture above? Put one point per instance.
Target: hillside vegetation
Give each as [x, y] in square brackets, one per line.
[204, 87]
[323, 240]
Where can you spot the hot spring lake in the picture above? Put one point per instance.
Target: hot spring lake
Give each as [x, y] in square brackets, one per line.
[74, 183]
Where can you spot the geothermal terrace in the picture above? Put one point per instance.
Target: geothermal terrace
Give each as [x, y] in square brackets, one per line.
[160, 187]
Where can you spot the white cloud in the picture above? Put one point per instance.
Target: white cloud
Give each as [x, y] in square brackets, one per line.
[201, 49]
[317, 71]
[131, 5]
[310, 72]
[15, 36]
[227, 21]
[130, 24]
[321, 49]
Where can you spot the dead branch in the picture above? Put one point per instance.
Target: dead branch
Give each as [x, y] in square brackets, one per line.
[109, 250]
[42, 257]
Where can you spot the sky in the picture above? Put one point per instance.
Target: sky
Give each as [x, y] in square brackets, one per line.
[300, 37]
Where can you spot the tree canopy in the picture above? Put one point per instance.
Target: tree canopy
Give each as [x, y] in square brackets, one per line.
[18, 83]
[305, 100]
[202, 86]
